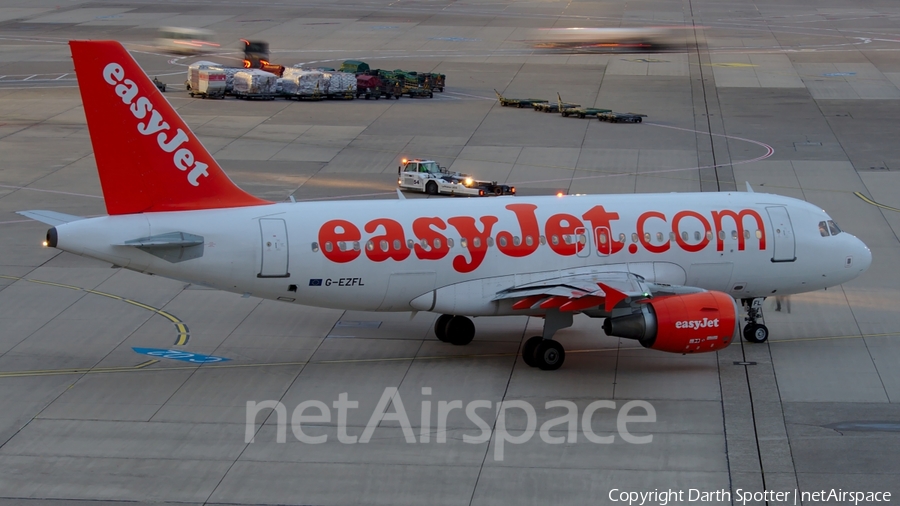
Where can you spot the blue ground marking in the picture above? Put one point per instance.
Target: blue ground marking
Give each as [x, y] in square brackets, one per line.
[184, 356]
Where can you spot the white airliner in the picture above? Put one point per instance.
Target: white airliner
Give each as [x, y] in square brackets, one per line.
[664, 269]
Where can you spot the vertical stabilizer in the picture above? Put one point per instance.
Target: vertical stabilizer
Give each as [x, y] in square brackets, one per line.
[147, 157]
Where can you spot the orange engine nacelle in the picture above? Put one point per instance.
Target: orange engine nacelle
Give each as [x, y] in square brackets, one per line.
[692, 323]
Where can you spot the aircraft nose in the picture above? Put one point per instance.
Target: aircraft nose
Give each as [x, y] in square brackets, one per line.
[862, 258]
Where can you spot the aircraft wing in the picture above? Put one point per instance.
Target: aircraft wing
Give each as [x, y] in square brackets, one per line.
[579, 292]
[51, 218]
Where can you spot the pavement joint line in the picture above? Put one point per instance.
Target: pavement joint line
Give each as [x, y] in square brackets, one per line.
[143, 366]
[867, 200]
[184, 334]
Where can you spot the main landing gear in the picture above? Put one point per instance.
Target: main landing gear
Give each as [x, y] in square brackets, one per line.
[457, 330]
[539, 351]
[755, 332]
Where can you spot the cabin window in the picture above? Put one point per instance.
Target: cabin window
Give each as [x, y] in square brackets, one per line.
[410, 243]
[450, 242]
[437, 243]
[647, 236]
[397, 244]
[582, 239]
[370, 246]
[516, 240]
[734, 234]
[315, 247]
[384, 245]
[355, 245]
[672, 236]
[476, 242]
[709, 236]
[746, 234]
[659, 236]
[554, 240]
[602, 237]
[529, 241]
[464, 243]
[684, 236]
[341, 246]
[490, 242]
[502, 242]
[721, 235]
[696, 235]
[328, 246]
[835, 230]
[758, 234]
[634, 237]
[543, 240]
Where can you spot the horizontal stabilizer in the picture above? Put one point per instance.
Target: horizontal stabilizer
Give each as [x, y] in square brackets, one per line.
[51, 218]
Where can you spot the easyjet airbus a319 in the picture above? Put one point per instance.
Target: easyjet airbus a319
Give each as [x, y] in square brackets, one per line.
[663, 269]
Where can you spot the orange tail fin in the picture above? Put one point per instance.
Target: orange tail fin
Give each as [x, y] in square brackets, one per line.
[147, 157]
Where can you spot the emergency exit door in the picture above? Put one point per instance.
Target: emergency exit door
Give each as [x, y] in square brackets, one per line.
[274, 262]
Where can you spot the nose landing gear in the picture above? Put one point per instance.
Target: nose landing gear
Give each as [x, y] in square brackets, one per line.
[754, 331]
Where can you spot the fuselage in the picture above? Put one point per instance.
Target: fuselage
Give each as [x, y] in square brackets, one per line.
[454, 255]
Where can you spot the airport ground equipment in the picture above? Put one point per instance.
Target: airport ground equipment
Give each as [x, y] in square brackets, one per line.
[161, 86]
[428, 177]
[518, 102]
[621, 117]
[354, 67]
[553, 106]
[254, 84]
[581, 112]
[369, 86]
[208, 83]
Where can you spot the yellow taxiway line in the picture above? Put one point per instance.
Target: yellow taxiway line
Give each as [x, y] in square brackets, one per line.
[183, 333]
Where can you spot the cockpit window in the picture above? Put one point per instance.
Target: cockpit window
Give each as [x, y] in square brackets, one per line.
[835, 230]
[823, 229]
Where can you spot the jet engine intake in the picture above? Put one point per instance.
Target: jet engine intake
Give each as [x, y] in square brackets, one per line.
[692, 323]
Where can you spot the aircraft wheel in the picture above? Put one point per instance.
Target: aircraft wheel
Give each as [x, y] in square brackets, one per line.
[549, 355]
[460, 330]
[440, 327]
[431, 188]
[528, 350]
[756, 333]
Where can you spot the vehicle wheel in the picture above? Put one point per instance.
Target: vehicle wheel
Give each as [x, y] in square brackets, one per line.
[549, 355]
[581, 116]
[460, 331]
[164, 88]
[528, 350]
[440, 327]
[377, 97]
[431, 188]
[441, 89]
[430, 94]
[519, 106]
[565, 115]
[192, 94]
[498, 191]
[756, 333]
[639, 120]
[503, 104]
[397, 97]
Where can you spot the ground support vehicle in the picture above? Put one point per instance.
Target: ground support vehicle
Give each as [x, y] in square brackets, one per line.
[621, 117]
[432, 81]
[252, 96]
[518, 102]
[208, 83]
[581, 112]
[161, 86]
[426, 176]
[418, 92]
[371, 86]
[553, 106]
